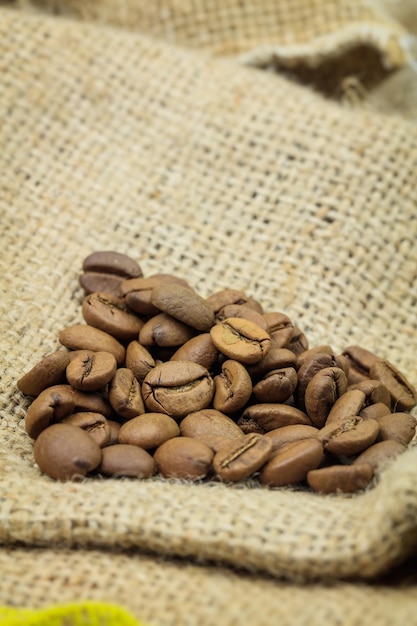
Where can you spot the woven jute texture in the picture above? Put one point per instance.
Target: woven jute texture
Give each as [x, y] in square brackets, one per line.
[228, 176]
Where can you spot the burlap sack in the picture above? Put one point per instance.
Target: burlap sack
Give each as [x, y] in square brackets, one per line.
[230, 177]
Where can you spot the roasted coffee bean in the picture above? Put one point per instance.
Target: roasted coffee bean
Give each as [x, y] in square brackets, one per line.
[275, 359]
[280, 328]
[313, 352]
[177, 388]
[80, 337]
[400, 427]
[125, 460]
[375, 410]
[149, 430]
[344, 478]
[225, 297]
[244, 311]
[105, 270]
[199, 349]
[183, 304]
[184, 458]
[233, 387]
[114, 432]
[276, 386]
[165, 331]
[241, 340]
[109, 313]
[139, 360]
[51, 405]
[374, 391]
[242, 457]
[348, 437]
[322, 392]
[98, 282]
[48, 372]
[403, 395]
[91, 371]
[292, 462]
[309, 368]
[288, 434]
[125, 394]
[269, 416]
[65, 452]
[380, 454]
[360, 362]
[93, 423]
[90, 401]
[298, 342]
[350, 403]
[210, 426]
[137, 292]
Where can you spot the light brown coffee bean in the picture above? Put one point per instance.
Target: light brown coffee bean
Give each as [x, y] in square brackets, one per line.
[225, 297]
[85, 337]
[183, 304]
[184, 458]
[380, 454]
[139, 360]
[280, 328]
[91, 371]
[311, 365]
[343, 478]
[109, 313]
[48, 372]
[269, 416]
[165, 331]
[275, 359]
[114, 432]
[348, 437]
[360, 361]
[149, 430]
[375, 410]
[288, 434]
[244, 311]
[210, 426]
[400, 427]
[233, 387]
[111, 262]
[92, 423]
[125, 460]
[276, 386]
[242, 457]
[292, 462]
[322, 392]
[313, 352]
[177, 388]
[199, 349]
[65, 452]
[241, 340]
[374, 391]
[51, 405]
[93, 282]
[348, 404]
[125, 394]
[90, 401]
[403, 395]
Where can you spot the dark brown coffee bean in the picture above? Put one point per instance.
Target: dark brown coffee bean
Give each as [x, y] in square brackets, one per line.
[225, 297]
[210, 426]
[298, 342]
[177, 388]
[375, 410]
[292, 462]
[322, 392]
[110, 262]
[360, 362]
[65, 452]
[288, 434]
[275, 359]
[51, 405]
[183, 304]
[241, 340]
[137, 292]
[165, 331]
[114, 432]
[276, 386]
[125, 460]
[184, 458]
[269, 416]
[374, 392]
[344, 478]
[350, 403]
[149, 430]
[309, 368]
[400, 427]
[109, 313]
[380, 454]
[93, 423]
[199, 349]
[125, 394]
[93, 282]
[139, 360]
[244, 311]
[233, 387]
[280, 328]
[48, 372]
[91, 371]
[242, 457]
[313, 352]
[348, 437]
[80, 337]
[403, 394]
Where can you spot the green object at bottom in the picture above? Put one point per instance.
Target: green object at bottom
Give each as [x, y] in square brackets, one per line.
[75, 614]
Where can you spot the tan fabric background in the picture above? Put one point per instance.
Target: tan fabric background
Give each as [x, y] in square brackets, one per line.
[228, 175]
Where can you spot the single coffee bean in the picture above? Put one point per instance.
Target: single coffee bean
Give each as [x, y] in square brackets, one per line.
[292, 462]
[90, 401]
[109, 313]
[322, 392]
[183, 304]
[177, 388]
[114, 432]
[348, 437]
[344, 478]
[210, 426]
[380, 454]
[375, 410]
[51, 405]
[403, 395]
[298, 342]
[137, 292]
[275, 359]
[313, 352]
[80, 337]
[149, 430]
[308, 369]
[350, 403]
[125, 394]
[400, 427]
[199, 349]
[93, 282]
[139, 360]
[93, 423]
[184, 458]
[241, 340]
[233, 387]
[269, 416]
[91, 371]
[242, 457]
[225, 297]
[244, 311]
[110, 262]
[360, 362]
[374, 392]
[165, 331]
[276, 386]
[280, 328]
[48, 372]
[125, 460]
[65, 452]
[288, 434]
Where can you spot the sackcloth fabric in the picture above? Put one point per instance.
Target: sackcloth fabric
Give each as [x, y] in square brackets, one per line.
[219, 141]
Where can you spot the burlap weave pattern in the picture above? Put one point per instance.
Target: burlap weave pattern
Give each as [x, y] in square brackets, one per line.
[192, 165]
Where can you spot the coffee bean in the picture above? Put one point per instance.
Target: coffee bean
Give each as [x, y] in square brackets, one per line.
[322, 392]
[125, 394]
[288, 434]
[80, 337]
[199, 349]
[91, 401]
[51, 405]
[298, 342]
[91, 371]
[344, 478]
[109, 313]
[110, 262]
[348, 437]
[400, 427]
[210, 426]
[292, 462]
[184, 304]
[233, 387]
[313, 352]
[269, 416]
[126, 460]
[348, 404]
[244, 311]
[139, 360]
[137, 292]
[403, 395]
[65, 452]
[149, 430]
[375, 410]
[280, 328]
[276, 386]
[360, 362]
[380, 454]
[275, 359]
[225, 297]
[92, 423]
[309, 368]
[114, 432]
[48, 372]
[98, 282]
[165, 331]
[184, 458]
[241, 340]
[374, 391]
[241, 457]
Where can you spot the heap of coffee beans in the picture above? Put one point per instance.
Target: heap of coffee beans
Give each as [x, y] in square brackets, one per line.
[159, 380]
